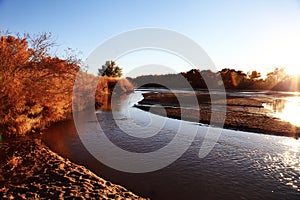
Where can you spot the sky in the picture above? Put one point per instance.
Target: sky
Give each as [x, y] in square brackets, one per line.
[240, 34]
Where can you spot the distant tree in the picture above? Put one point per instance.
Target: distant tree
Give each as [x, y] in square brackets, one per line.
[233, 79]
[279, 74]
[254, 75]
[111, 69]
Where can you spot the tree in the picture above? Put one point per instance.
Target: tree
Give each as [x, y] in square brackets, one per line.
[110, 69]
[254, 75]
[35, 89]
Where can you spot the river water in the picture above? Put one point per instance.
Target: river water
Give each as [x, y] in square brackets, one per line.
[241, 165]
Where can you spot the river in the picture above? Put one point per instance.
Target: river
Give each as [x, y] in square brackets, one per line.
[241, 165]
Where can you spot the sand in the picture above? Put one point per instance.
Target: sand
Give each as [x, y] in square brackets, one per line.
[30, 170]
[241, 113]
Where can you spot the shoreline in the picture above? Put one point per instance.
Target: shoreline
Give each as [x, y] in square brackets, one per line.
[30, 169]
[242, 113]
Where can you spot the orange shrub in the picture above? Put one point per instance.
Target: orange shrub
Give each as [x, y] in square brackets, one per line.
[36, 90]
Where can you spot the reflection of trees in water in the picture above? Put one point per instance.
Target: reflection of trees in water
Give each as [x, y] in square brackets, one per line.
[57, 137]
[103, 102]
[106, 102]
[278, 105]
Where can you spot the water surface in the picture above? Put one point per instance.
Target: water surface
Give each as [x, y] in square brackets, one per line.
[241, 165]
[285, 108]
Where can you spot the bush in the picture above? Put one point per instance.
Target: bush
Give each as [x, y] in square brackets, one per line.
[36, 89]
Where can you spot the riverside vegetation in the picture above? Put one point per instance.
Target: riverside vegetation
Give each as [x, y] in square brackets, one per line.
[230, 79]
[36, 88]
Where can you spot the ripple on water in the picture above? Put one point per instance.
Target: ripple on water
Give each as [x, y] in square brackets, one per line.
[283, 167]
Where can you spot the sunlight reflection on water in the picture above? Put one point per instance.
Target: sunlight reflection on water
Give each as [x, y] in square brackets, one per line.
[285, 166]
[292, 145]
[286, 109]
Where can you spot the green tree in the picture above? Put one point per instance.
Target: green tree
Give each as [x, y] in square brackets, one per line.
[111, 69]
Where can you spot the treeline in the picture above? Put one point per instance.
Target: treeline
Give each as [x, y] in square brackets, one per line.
[36, 88]
[230, 79]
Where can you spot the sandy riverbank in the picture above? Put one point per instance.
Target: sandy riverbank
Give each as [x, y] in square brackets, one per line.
[30, 170]
[242, 113]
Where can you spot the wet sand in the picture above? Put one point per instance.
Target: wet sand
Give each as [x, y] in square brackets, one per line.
[30, 170]
[241, 113]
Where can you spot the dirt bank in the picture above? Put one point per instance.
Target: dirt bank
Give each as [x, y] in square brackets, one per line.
[241, 113]
[30, 170]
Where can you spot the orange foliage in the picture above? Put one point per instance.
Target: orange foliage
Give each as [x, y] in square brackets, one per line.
[36, 90]
[33, 94]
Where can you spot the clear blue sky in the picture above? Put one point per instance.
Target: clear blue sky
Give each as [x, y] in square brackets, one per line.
[243, 34]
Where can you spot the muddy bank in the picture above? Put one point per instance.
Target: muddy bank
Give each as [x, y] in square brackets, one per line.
[241, 113]
[30, 170]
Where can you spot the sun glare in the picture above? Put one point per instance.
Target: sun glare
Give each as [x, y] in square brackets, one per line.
[293, 71]
[286, 109]
[292, 144]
